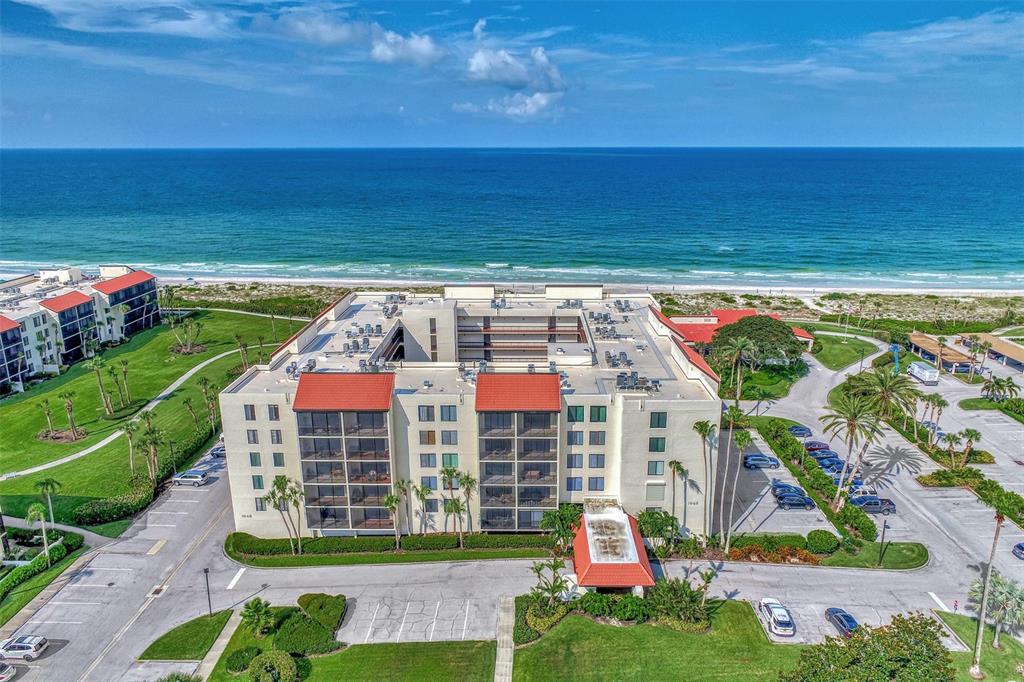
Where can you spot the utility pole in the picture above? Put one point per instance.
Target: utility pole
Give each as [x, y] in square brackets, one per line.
[209, 602]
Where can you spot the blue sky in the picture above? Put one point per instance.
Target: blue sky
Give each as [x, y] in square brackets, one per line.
[186, 73]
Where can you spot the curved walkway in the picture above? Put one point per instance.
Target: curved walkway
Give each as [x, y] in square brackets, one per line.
[242, 312]
[94, 540]
[164, 395]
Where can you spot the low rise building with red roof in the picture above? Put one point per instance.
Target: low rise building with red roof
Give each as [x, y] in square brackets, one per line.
[702, 328]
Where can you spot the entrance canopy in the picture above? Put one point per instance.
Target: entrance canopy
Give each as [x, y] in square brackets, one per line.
[608, 550]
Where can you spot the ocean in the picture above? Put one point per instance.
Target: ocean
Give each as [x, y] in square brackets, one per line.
[893, 218]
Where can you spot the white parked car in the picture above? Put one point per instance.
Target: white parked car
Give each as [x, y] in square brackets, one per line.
[7, 672]
[861, 491]
[192, 477]
[777, 616]
[26, 647]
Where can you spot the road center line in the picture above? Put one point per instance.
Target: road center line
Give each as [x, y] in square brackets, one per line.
[939, 602]
[234, 580]
[402, 626]
[370, 629]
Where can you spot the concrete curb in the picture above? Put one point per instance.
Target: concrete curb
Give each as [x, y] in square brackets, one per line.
[221, 643]
[40, 600]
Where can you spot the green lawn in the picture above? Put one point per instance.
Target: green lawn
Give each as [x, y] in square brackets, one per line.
[189, 641]
[152, 367]
[470, 661]
[986, 404]
[355, 558]
[242, 638]
[27, 591]
[830, 327]
[898, 555]
[1016, 331]
[580, 649]
[839, 352]
[997, 665]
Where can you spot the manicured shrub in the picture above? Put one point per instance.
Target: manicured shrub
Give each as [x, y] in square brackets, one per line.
[858, 520]
[822, 542]
[508, 540]
[273, 666]
[676, 599]
[30, 570]
[300, 634]
[239, 660]
[595, 604]
[135, 499]
[433, 541]
[243, 543]
[522, 633]
[325, 609]
[771, 543]
[543, 619]
[630, 607]
[180, 677]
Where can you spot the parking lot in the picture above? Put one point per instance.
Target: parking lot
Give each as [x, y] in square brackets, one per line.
[390, 619]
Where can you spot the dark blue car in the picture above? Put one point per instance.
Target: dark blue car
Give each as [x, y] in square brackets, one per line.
[791, 501]
[826, 462]
[823, 454]
[1018, 550]
[852, 480]
[800, 431]
[780, 489]
[843, 621]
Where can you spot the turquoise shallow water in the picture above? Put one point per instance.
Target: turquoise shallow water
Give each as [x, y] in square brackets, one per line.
[762, 217]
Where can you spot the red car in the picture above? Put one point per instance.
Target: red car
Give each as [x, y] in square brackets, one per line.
[815, 445]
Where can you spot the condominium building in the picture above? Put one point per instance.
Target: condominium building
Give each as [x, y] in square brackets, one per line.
[48, 319]
[541, 398]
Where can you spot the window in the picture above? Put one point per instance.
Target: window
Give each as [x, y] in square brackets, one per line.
[598, 413]
[429, 482]
[659, 420]
[497, 421]
[428, 437]
[275, 436]
[449, 438]
[278, 459]
[574, 437]
[450, 460]
[653, 509]
[273, 413]
[261, 505]
[575, 413]
[597, 437]
[574, 483]
[428, 461]
[597, 461]
[595, 483]
[254, 459]
[257, 483]
[575, 461]
[656, 467]
[449, 413]
[252, 437]
[656, 445]
[426, 413]
[656, 493]
[250, 412]
[431, 506]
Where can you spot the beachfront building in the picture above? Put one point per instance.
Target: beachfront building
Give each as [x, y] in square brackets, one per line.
[542, 398]
[702, 328]
[51, 318]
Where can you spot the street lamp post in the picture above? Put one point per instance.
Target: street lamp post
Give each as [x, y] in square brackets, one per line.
[881, 547]
[209, 602]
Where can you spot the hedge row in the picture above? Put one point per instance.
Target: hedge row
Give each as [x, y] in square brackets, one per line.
[792, 540]
[850, 521]
[326, 609]
[32, 569]
[244, 543]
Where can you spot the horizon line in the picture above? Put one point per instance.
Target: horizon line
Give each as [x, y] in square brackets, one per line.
[506, 147]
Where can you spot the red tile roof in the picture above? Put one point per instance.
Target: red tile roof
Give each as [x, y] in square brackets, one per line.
[704, 332]
[729, 315]
[7, 324]
[802, 333]
[344, 391]
[59, 304]
[696, 359]
[518, 392]
[625, 574]
[116, 284]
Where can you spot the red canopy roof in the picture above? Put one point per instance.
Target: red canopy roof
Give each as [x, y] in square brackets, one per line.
[696, 359]
[802, 333]
[7, 324]
[518, 392]
[59, 304]
[116, 284]
[601, 574]
[344, 392]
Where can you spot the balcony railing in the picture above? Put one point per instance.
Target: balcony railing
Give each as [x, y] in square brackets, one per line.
[538, 431]
[369, 501]
[528, 500]
[369, 478]
[325, 478]
[498, 479]
[498, 523]
[538, 478]
[327, 501]
[496, 431]
[539, 455]
[372, 524]
[505, 500]
[371, 455]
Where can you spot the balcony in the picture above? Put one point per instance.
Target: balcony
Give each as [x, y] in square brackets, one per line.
[536, 476]
[495, 496]
[326, 500]
[373, 524]
[329, 477]
[534, 451]
[367, 449]
[327, 518]
[538, 497]
[369, 473]
[496, 429]
[538, 425]
[497, 519]
[496, 450]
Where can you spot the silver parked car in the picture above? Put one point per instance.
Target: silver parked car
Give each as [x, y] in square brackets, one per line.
[7, 672]
[26, 647]
[191, 477]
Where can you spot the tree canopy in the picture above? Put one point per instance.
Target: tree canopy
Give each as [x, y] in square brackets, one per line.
[772, 339]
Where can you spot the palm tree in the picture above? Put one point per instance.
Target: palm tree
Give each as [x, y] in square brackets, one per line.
[467, 484]
[856, 420]
[404, 488]
[449, 477]
[973, 338]
[96, 365]
[48, 487]
[976, 663]
[130, 429]
[742, 439]
[392, 504]
[276, 497]
[972, 436]
[44, 405]
[211, 416]
[938, 403]
[69, 408]
[124, 379]
[732, 416]
[704, 429]
[259, 349]
[241, 352]
[187, 404]
[952, 440]
[1010, 388]
[942, 346]
[984, 348]
[423, 494]
[204, 386]
[273, 327]
[257, 616]
[456, 508]
[152, 439]
[735, 349]
[294, 498]
[117, 384]
[1006, 602]
[674, 465]
[989, 386]
[890, 391]
[37, 512]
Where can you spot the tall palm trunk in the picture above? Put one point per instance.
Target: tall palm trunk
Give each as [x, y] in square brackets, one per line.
[721, 487]
[976, 664]
[46, 541]
[49, 505]
[107, 407]
[732, 499]
[287, 527]
[71, 421]
[124, 378]
[838, 499]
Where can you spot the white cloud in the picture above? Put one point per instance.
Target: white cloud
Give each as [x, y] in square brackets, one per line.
[313, 26]
[500, 67]
[391, 48]
[522, 107]
[808, 69]
[478, 29]
[169, 17]
[999, 33]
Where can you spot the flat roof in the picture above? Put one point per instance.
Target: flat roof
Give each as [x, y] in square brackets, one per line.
[932, 346]
[1002, 346]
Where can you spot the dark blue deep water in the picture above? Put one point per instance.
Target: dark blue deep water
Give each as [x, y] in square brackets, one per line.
[764, 217]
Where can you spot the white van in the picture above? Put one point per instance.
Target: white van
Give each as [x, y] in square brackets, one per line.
[925, 373]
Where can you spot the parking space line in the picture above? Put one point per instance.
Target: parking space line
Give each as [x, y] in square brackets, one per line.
[402, 626]
[234, 580]
[370, 629]
[161, 525]
[167, 512]
[56, 622]
[939, 602]
[434, 622]
[465, 622]
[104, 568]
[75, 603]
[85, 585]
